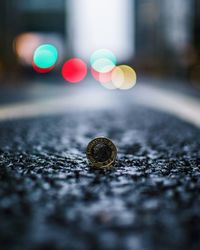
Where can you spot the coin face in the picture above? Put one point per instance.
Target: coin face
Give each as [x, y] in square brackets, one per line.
[101, 152]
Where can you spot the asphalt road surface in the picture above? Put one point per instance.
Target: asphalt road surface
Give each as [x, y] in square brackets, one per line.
[50, 199]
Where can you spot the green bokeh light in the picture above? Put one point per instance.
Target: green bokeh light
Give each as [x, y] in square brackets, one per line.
[103, 54]
[103, 65]
[45, 56]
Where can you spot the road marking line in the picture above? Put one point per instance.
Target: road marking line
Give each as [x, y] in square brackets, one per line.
[185, 107]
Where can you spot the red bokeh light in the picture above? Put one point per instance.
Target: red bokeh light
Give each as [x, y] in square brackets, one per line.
[74, 70]
[41, 70]
[101, 77]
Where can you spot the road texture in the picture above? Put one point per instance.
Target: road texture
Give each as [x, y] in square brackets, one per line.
[50, 199]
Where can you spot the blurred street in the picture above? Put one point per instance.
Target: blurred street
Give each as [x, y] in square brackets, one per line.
[51, 199]
[42, 99]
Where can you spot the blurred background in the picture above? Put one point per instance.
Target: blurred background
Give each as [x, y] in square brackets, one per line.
[160, 39]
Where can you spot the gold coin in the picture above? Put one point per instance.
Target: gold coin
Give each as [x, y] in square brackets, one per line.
[101, 152]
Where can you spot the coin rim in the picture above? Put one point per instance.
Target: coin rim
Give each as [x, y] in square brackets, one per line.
[94, 162]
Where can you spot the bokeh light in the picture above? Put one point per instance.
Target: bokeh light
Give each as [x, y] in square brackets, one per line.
[103, 60]
[103, 65]
[74, 70]
[103, 53]
[101, 77]
[41, 70]
[123, 77]
[45, 56]
[24, 46]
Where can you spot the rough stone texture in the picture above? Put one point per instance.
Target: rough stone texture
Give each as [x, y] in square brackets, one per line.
[51, 200]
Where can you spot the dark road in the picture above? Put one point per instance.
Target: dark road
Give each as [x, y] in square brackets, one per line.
[51, 199]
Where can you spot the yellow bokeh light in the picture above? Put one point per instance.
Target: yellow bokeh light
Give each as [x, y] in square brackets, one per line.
[123, 77]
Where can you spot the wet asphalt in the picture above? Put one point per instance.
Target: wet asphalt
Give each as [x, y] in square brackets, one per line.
[50, 199]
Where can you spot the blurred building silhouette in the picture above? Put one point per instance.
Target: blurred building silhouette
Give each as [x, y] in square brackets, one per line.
[166, 33]
[27, 17]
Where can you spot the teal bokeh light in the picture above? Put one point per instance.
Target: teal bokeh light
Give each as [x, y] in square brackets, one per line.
[45, 56]
[103, 54]
[103, 65]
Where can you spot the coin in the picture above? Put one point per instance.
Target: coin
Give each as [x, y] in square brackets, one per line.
[101, 152]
